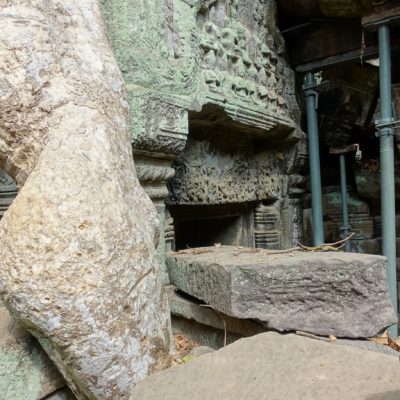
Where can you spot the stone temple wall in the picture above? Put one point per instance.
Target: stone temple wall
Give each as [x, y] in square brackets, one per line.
[213, 107]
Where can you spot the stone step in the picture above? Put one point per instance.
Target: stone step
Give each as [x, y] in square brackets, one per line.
[326, 293]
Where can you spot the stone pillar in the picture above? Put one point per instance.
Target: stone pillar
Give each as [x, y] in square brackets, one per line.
[169, 232]
[158, 139]
[292, 222]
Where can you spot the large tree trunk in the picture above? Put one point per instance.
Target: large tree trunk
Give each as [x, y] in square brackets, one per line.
[77, 246]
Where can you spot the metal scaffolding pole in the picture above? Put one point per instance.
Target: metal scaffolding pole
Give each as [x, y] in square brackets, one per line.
[313, 149]
[345, 228]
[385, 129]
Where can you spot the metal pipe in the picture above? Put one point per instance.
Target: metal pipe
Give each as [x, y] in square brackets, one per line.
[345, 228]
[387, 166]
[313, 149]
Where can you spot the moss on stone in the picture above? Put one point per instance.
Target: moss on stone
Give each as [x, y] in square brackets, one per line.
[19, 374]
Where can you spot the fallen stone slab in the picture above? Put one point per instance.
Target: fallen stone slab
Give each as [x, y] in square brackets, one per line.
[326, 293]
[271, 366]
[26, 372]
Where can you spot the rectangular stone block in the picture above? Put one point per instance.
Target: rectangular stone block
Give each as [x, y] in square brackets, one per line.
[326, 293]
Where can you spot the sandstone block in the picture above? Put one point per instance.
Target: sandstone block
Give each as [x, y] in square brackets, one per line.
[270, 366]
[330, 293]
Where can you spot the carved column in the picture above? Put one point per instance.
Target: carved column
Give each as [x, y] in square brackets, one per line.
[169, 232]
[266, 227]
[158, 140]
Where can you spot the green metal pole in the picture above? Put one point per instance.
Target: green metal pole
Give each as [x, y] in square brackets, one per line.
[313, 149]
[387, 167]
[345, 228]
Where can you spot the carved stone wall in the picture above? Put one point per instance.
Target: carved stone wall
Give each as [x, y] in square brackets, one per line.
[193, 52]
[206, 175]
[204, 69]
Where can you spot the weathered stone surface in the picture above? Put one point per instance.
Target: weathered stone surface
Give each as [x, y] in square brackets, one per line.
[270, 366]
[351, 88]
[180, 56]
[197, 70]
[208, 173]
[184, 308]
[26, 373]
[200, 351]
[369, 184]
[360, 218]
[202, 334]
[217, 68]
[341, 294]
[77, 245]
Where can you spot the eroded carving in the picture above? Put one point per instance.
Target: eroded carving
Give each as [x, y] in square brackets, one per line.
[190, 53]
[185, 57]
[158, 126]
[205, 175]
[236, 61]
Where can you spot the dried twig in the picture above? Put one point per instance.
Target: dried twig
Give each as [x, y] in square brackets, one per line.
[335, 246]
[298, 248]
[312, 336]
[195, 251]
[323, 247]
[343, 241]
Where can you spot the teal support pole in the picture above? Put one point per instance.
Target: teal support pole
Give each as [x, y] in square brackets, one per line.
[345, 228]
[385, 130]
[315, 168]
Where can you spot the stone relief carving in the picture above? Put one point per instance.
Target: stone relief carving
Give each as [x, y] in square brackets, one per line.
[206, 176]
[160, 127]
[180, 56]
[154, 44]
[169, 233]
[189, 53]
[236, 62]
